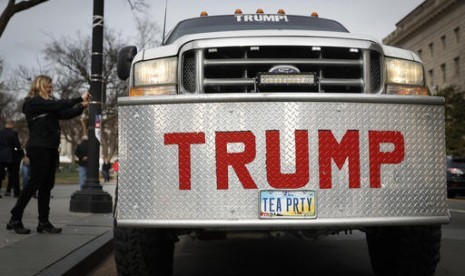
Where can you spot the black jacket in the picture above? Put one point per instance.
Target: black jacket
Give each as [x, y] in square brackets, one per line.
[43, 117]
[10, 148]
[81, 152]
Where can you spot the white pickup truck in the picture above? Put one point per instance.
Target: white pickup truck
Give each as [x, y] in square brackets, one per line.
[273, 123]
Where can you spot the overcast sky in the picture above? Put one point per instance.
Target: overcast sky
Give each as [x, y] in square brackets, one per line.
[24, 38]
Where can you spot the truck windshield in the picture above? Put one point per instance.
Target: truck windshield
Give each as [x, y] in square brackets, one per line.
[226, 23]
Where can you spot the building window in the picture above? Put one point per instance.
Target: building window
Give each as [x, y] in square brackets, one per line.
[443, 72]
[457, 34]
[457, 66]
[431, 77]
[431, 49]
[443, 42]
[420, 53]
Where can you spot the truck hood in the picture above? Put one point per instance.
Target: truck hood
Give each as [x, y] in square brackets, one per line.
[173, 49]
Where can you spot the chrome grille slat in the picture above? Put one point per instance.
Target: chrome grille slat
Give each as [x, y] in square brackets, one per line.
[319, 62]
[366, 70]
[342, 82]
[199, 57]
[251, 82]
[229, 82]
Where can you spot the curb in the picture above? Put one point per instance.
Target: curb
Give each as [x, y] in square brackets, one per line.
[83, 259]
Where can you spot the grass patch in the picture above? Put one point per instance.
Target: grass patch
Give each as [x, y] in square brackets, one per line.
[67, 177]
[67, 174]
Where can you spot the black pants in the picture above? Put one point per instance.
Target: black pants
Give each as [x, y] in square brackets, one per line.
[42, 177]
[13, 176]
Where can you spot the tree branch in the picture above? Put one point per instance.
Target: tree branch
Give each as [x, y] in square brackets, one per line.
[12, 8]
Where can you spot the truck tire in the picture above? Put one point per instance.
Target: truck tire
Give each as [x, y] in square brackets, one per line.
[143, 251]
[404, 250]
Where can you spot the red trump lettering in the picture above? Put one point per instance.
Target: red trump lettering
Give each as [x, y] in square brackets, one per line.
[237, 160]
[347, 149]
[274, 175]
[184, 142]
[378, 157]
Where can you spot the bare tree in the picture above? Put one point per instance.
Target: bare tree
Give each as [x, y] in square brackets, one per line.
[7, 102]
[138, 5]
[148, 31]
[14, 7]
[148, 34]
[71, 65]
[69, 62]
[9, 106]
[11, 109]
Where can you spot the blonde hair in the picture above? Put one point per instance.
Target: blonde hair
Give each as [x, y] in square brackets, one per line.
[38, 86]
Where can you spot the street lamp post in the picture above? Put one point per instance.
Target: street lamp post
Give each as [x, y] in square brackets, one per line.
[91, 198]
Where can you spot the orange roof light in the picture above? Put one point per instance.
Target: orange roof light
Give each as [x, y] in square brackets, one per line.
[260, 11]
[238, 11]
[281, 11]
[204, 13]
[314, 14]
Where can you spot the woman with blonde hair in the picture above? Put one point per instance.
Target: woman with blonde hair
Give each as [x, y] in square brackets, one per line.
[43, 113]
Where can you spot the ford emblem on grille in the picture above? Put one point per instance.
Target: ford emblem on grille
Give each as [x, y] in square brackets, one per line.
[284, 69]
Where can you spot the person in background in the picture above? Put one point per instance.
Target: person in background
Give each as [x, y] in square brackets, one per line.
[10, 156]
[25, 167]
[106, 166]
[81, 152]
[116, 168]
[43, 114]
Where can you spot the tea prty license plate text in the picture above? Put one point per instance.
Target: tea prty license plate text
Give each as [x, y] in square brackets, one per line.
[287, 204]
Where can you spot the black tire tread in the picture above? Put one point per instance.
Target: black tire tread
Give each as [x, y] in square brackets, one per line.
[141, 251]
[404, 250]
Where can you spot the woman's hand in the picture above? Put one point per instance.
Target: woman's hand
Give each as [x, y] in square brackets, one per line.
[86, 96]
[85, 104]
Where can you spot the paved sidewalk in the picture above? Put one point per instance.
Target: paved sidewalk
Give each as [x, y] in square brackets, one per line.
[40, 252]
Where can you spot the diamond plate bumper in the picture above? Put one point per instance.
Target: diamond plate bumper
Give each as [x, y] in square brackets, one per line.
[412, 191]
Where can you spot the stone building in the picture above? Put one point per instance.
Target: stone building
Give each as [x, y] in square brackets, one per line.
[435, 30]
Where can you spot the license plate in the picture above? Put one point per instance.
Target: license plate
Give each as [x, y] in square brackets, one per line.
[287, 204]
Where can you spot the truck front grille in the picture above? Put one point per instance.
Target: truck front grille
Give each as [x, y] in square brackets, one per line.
[236, 69]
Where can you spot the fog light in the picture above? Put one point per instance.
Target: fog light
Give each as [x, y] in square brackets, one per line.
[286, 79]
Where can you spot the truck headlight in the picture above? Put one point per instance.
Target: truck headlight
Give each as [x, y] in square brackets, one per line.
[404, 77]
[155, 77]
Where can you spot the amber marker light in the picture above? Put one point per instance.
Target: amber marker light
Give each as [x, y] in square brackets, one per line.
[238, 11]
[281, 11]
[260, 11]
[314, 14]
[204, 13]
